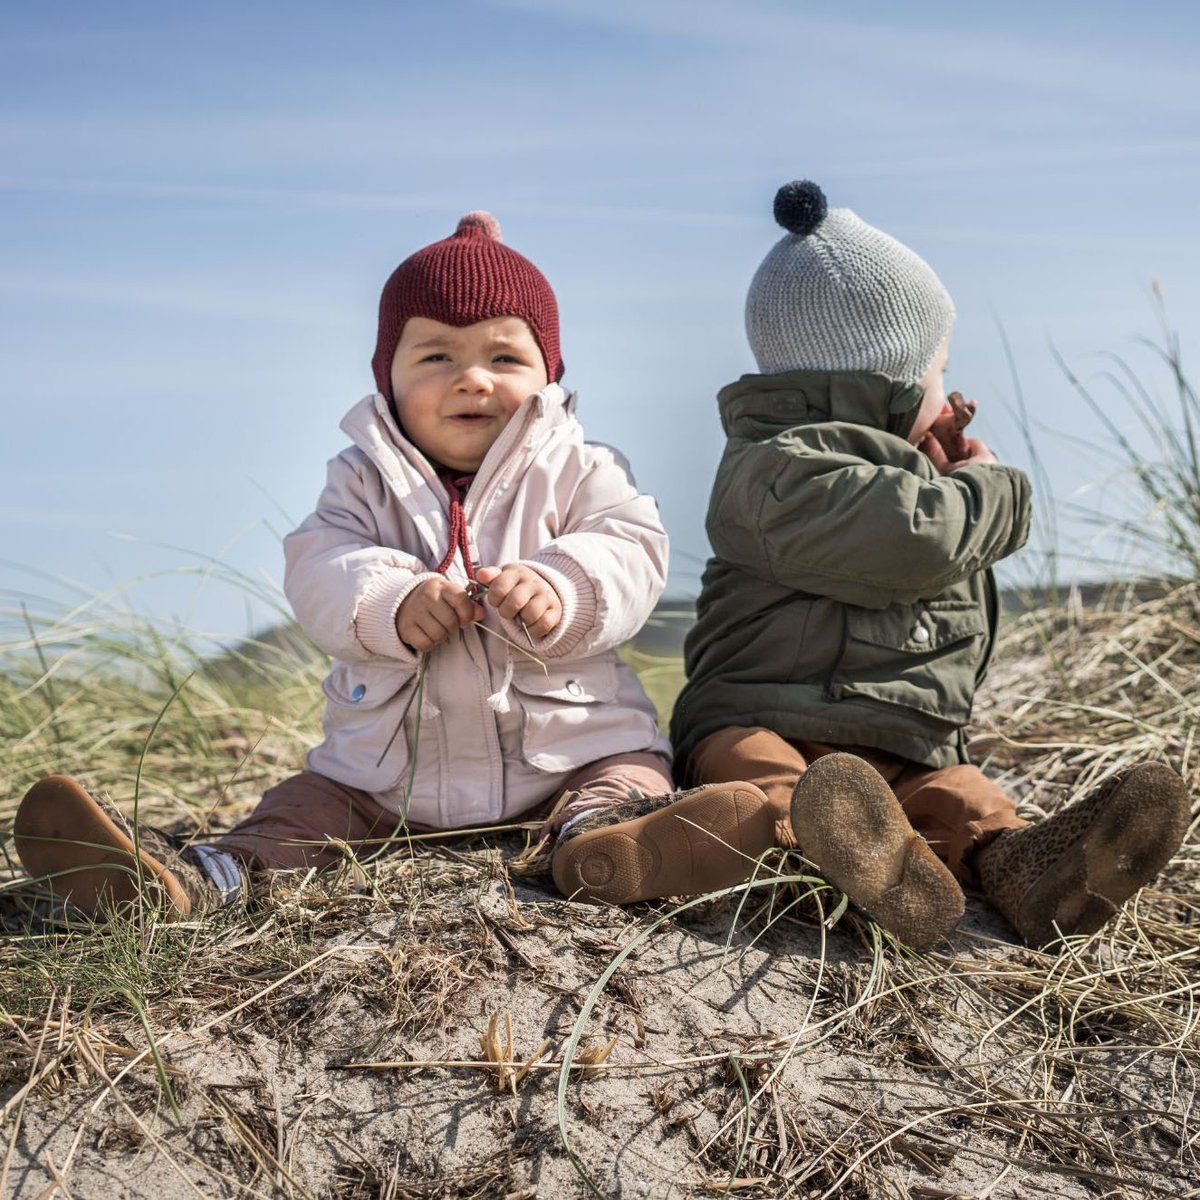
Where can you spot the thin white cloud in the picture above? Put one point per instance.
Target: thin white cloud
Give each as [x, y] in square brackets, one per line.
[1031, 238]
[39, 517]
[369, 201]
[186, 297]
[1151, 159]
[1005, 162]
[161, 190]
[364, 136]
[943, 54]
[205, 301]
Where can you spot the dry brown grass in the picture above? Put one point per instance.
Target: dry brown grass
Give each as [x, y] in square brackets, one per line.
[399, 1028]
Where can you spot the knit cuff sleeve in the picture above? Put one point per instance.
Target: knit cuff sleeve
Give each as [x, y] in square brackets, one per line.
[576, 593]
[375, 617]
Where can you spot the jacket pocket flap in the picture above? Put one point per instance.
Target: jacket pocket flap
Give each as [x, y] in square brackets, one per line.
[365, 685]
[917, 628]
[579, 684]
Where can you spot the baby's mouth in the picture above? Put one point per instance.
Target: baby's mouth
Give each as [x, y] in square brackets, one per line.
[470, 418]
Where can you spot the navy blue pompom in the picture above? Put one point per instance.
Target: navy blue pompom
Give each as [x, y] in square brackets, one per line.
[800, 206]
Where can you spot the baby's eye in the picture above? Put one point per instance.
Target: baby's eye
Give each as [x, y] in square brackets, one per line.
[439, 357]
[509, 358]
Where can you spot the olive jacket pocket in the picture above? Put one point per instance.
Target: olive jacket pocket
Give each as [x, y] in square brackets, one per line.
[923, 657]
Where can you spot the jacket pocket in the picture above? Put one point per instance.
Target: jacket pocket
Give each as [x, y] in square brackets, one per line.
[569, 717]
[921, 657]
[365, 743]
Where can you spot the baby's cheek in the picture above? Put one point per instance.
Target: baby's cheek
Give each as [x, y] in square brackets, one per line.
[932, 404]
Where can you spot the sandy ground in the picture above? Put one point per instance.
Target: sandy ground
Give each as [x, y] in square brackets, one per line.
[754, 1055]
[272, 1106]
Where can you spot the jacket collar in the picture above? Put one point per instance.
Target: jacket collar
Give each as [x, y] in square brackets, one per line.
[761, 406]
[372, 428]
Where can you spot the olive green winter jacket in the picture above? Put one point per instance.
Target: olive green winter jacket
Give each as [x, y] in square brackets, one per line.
[850, 598]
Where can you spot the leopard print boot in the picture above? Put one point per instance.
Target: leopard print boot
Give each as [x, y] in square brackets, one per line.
[84, 848]
[1071, 872]
[648, 847]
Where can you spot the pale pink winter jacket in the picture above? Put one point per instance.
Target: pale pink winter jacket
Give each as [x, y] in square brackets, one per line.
[495, 734]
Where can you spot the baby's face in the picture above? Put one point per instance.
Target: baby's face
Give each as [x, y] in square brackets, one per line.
[456, 387]
[934, 400]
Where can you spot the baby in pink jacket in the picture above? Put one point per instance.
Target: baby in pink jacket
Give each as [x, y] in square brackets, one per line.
[471, 566]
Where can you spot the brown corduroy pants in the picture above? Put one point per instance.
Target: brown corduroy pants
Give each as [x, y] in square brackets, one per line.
[958, 810]
[310, 820]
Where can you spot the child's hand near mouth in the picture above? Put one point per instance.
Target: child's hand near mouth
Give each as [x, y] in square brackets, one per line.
[946, 445]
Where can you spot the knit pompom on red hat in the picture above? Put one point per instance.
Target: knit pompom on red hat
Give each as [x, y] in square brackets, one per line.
[480, 221]
[469, 276]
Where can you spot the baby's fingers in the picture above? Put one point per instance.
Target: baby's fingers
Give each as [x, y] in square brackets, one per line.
[500, 582]
[463, 610]
[516, 600]
[978, 455]
[542, 614]
[513, 587]
[944, 419]
[424, 632]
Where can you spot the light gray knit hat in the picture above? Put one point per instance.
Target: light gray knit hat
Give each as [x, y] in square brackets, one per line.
[837, 294]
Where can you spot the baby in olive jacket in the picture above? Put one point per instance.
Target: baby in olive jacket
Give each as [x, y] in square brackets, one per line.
[849, 612]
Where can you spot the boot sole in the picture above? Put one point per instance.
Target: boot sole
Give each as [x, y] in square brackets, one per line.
[701, 843]
[61, 833]
[851, 826]
[1132, 837]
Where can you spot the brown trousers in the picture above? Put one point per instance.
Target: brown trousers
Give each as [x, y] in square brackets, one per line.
[308, 821]
[958, 810]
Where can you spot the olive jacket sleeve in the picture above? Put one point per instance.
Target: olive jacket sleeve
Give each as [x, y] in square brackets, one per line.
[826, 516]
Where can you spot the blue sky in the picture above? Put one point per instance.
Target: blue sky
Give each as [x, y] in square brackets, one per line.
[199, 204]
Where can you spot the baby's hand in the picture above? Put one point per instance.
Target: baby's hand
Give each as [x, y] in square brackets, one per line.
[519, 591]
[434, 610]
[974, 453]
[977, 454]
[949, 424]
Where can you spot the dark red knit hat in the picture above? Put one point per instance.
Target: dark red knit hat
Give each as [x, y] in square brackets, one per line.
[469, 276]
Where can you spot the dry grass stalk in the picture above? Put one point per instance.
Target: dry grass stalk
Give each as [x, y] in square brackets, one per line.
[590, 1058]
[500, 1054]
[1076, 1068]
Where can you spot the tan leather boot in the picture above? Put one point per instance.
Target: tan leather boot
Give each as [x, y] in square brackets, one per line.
[850, 825]
[84, 847]
[1071, 872]
[683, 844]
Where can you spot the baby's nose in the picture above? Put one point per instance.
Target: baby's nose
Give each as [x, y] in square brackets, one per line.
[477, 380]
